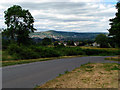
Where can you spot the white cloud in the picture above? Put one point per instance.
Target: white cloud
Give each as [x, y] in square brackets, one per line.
[71, 15]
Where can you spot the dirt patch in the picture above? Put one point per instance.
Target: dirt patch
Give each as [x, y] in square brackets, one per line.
[87, 76]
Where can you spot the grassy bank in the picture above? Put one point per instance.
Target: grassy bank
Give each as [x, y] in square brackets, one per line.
[87, 76]
[116, 58]
[14, 62]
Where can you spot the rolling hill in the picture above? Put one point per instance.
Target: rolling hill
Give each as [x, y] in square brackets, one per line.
[60, 35]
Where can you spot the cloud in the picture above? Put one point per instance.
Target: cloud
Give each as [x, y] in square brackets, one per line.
[71, 15]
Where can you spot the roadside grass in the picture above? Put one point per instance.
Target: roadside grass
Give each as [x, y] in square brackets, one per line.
[14, 62]
[116, 58]
[91, 75]
[108, 49]
[47, 53]
[6, 56]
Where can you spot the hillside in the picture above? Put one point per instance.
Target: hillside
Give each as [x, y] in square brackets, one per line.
[60, 35]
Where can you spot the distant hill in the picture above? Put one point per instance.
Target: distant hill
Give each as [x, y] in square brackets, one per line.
[61, 35]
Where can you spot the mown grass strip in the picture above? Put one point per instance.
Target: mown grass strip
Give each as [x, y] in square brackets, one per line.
[14, 62]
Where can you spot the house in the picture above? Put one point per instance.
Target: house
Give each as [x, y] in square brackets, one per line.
[95, 44]
[65, 43]
[59, 43]
[76, 43]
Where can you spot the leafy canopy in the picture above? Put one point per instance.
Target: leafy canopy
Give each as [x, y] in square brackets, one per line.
[102, 40]
[114, 31]
[19, 24]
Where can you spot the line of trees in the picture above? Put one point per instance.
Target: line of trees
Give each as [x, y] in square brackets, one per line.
[114, 31]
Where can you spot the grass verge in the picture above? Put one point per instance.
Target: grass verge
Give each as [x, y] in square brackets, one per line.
[14, 62]
[116, 58]
[90, 75]
[108, 49]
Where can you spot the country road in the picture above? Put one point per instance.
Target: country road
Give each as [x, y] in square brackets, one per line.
[37, 73]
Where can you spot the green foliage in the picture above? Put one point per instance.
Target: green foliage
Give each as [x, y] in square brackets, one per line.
[6, 56]
[66, 71]
[46, 41]
[70, 43]
[5, 44]
[102, 40]
[60, 46]
[69, 51]
[115, 26]
[32, 52]
[60, 75]
[100, 52]
[115, 68]
[19, 24]
[22, 52]
[112, 66]
[56, 43]
[111, 41]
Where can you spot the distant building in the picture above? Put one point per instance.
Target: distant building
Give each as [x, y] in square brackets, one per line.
[65, 43]
[59, 43]
[76, 43]
[95, 44]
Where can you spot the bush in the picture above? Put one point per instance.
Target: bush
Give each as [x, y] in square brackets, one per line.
[21, 52]
[27, 53]
[68, 51]
[100, 52]
[14, 48]
[33, 52]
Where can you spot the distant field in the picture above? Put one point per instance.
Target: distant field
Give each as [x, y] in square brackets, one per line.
[87, 76]
[110, 49]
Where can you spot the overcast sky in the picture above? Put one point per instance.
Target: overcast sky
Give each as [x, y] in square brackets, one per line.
[66, 15]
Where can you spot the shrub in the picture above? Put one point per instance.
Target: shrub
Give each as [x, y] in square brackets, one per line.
[21, 52]
[14, 48]
[70, 51]
[99, 52]
[49, 52]
[33, 52]
[27, 53]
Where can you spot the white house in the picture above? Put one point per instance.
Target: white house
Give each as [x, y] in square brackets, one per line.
[95, 44]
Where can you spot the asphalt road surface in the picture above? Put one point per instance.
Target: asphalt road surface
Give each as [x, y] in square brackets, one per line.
[37, 73]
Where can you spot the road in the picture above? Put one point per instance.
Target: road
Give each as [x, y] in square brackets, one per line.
[37, 73]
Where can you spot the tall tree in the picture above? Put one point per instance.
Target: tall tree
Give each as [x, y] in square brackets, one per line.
[19, 24]
[102, 40]
[46, 41]
[114, 31]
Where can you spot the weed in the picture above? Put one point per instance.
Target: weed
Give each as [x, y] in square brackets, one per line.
[66, 71]
[115, 68]
[60, 75]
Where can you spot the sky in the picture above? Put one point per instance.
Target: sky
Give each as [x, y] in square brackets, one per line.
[66, 15]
